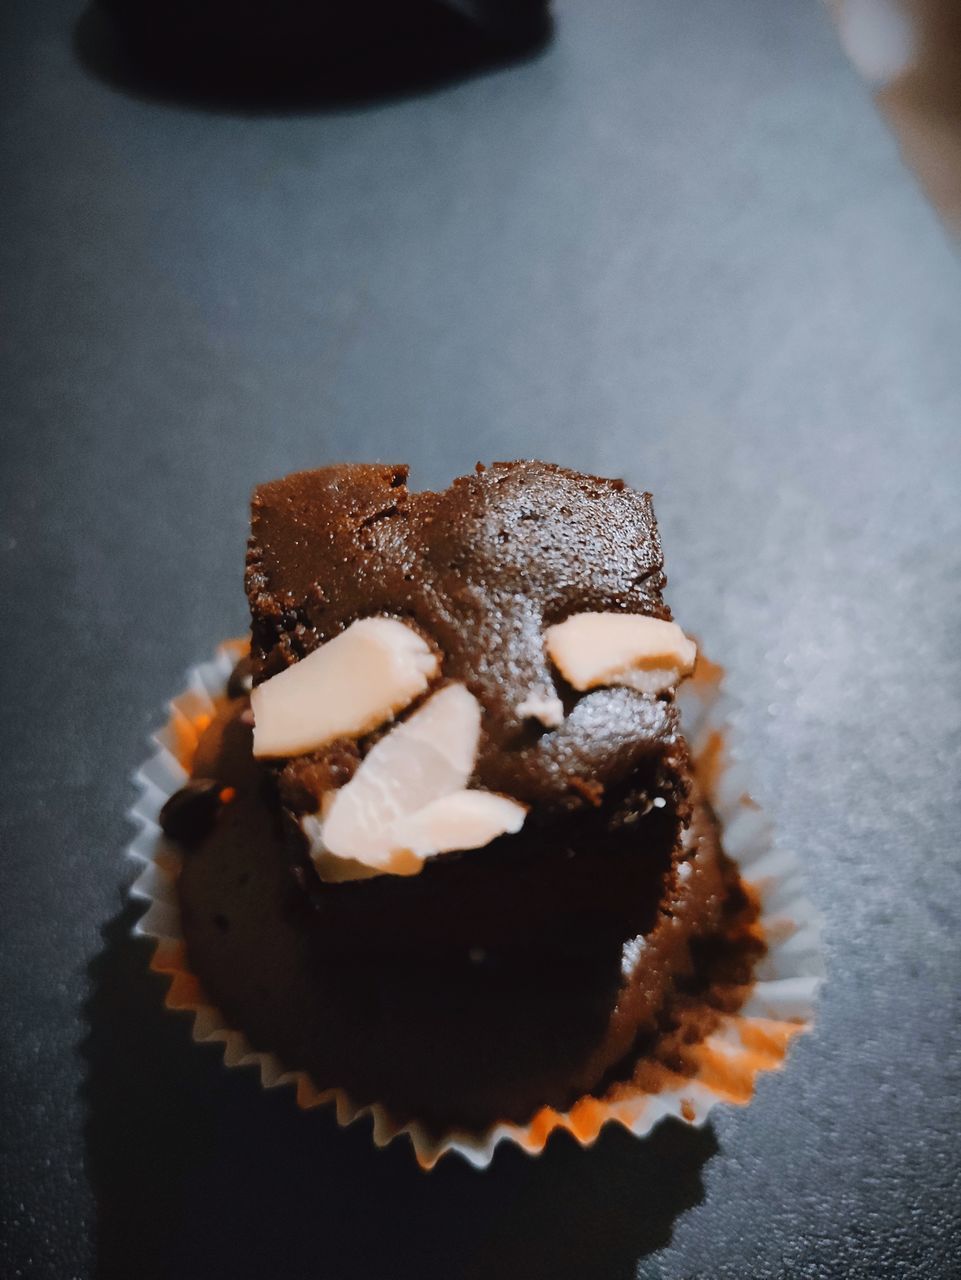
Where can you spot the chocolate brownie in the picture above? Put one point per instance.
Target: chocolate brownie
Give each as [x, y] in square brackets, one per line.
[482, 569]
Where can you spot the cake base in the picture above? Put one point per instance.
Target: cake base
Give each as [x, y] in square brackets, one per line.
[469, 1039]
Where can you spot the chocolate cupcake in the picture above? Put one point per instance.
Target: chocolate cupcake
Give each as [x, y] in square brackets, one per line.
[444, 851]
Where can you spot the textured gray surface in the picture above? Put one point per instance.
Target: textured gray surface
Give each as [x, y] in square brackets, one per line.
[678, 246]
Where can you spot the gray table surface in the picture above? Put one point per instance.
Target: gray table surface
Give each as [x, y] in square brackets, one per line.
[677, 245]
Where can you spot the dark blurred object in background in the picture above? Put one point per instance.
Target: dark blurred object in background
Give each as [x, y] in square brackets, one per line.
[910, 51]
[290, 48]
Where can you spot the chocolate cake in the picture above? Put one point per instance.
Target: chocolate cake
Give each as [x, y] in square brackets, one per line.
[447, 853]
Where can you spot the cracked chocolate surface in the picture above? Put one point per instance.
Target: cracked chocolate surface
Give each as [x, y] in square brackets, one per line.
[481, 568]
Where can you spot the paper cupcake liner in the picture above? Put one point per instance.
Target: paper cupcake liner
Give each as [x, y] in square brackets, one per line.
[753, 1040]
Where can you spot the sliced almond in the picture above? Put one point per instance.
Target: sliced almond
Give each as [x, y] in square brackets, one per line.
[409, 800]
[462, 820]
[542, 706]
[427, 756]
[647, 654]
[329, 867]
[344, 689]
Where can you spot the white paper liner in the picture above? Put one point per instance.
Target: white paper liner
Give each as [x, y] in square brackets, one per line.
[755, 1039]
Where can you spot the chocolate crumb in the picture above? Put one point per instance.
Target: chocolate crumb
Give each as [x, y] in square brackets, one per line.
[305, 779]
[190, 813]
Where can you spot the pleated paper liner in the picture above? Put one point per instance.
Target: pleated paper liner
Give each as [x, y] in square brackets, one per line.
[720, 1068]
